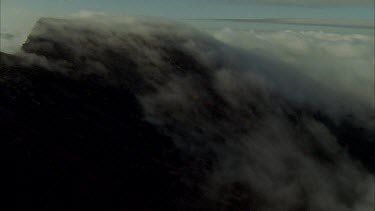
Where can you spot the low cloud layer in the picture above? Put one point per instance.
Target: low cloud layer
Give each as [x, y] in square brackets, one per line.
[265, 111]
[307, 2]
[87, 14]
[359, 24]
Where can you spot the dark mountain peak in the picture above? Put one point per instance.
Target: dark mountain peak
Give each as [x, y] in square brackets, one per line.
[118, 52]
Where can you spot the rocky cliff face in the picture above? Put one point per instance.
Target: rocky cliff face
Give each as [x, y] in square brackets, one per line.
[140, 115]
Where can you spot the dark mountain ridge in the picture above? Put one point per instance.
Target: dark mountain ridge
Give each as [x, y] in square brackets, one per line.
[86, 112]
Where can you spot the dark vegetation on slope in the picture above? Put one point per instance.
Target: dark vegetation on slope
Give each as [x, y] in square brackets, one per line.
[80, 145]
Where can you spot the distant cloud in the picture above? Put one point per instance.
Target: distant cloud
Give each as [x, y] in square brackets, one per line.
[307, 2]
[88, 14]
[9, 40]
[363, 24]
[6, 36]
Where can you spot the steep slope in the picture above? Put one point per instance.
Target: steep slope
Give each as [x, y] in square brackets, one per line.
[79, 145]
[152, 115]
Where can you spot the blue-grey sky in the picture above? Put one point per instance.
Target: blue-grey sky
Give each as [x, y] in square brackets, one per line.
[337, 9]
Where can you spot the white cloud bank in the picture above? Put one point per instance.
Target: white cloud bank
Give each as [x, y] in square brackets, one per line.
[345, 63]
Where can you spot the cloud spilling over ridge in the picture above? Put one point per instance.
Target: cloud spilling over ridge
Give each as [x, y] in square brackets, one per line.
[267, 110]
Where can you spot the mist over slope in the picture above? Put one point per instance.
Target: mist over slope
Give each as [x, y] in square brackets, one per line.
[213, 125]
